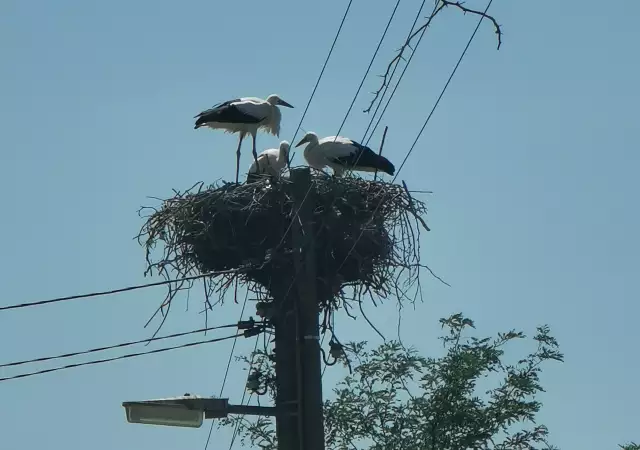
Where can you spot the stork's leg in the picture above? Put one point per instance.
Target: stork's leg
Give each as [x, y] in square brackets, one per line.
[238, 158]
[255, 153]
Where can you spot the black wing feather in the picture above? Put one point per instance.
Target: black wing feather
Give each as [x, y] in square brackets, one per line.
[225, 112]
[365, 157]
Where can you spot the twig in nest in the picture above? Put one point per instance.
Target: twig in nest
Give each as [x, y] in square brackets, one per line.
[440, 6]
[436, 277]
[369, 321]
[364, 236]
[412, 208]
[207, 303]
[384, 135]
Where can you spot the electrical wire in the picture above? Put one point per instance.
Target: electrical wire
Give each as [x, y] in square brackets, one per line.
[398, 83]
[296, 214]
[410, 150]
[415, 21]
[130, 355]
[395, 88]
[482, 17]
[226, 372]
[120, 290]
[373, 58]
[124, 344]
[453, 72]
[324, 66]
[444, 89]
[404, 70]
[236, 428]
[244, 393]
[325, 365]
[375, 53]
[344, 120]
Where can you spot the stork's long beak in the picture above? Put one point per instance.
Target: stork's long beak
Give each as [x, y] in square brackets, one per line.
[283, 103]
[302, 141]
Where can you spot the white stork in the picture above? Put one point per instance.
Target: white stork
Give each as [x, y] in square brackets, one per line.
[270, 162]
[244, 116]
[340, 154]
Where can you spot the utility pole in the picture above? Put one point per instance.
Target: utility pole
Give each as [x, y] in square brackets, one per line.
[284, 324]
[299, 420]
[294, 314]
[308, 310]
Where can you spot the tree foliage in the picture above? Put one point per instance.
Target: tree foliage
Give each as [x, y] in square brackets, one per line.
[397, 399]
[630, 446]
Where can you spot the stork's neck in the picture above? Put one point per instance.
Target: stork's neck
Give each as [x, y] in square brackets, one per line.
[282, 155]
[313, 143]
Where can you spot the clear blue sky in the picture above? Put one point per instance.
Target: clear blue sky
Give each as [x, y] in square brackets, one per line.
[532, 157]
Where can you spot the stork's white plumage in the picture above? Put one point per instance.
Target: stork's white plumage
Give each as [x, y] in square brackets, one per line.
[270, 162]
[340, 154]
[244, 116]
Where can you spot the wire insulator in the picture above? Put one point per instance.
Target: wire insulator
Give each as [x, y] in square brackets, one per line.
[252, 332]
[335, 350]
[254, 381]
[246, 324]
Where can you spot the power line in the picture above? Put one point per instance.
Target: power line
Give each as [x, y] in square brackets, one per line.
[326, 61]
[482, 17]
[389, 23]
[120, 290]
[415, 21]
[226, 372]
[244, 393]
[375, 53]
[124, 344]
[300, 125]
[235, 341]
[404, 70]
[414, 143]
[373, 58]
[130, 355]
[444, 89]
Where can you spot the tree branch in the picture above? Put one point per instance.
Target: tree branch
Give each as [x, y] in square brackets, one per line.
[442, 4]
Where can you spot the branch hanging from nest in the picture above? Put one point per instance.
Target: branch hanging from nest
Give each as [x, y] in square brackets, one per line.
[399, 56]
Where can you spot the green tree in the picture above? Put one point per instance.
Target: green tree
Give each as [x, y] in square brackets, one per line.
[397, 399]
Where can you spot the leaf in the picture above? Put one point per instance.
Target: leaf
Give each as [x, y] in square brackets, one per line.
[398, 399]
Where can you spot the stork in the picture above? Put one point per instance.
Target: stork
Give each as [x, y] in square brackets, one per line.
[270, 162]
[244, 116]
[340, 154]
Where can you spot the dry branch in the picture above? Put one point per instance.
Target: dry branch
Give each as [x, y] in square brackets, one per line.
[440, 6]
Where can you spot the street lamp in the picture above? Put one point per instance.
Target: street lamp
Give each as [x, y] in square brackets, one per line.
[164, 415]
[187, 411]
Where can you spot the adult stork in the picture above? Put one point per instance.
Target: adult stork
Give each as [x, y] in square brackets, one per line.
[270, 162]
[340, 154]
[244, 116]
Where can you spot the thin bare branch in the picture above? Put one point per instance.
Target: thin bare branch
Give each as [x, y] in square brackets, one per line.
[399, 56]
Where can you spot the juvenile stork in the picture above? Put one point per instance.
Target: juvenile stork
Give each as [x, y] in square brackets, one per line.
[244, 116]
[270, 162]
[340, 154]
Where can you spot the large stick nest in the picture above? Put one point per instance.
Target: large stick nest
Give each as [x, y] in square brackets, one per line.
[366, 234]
